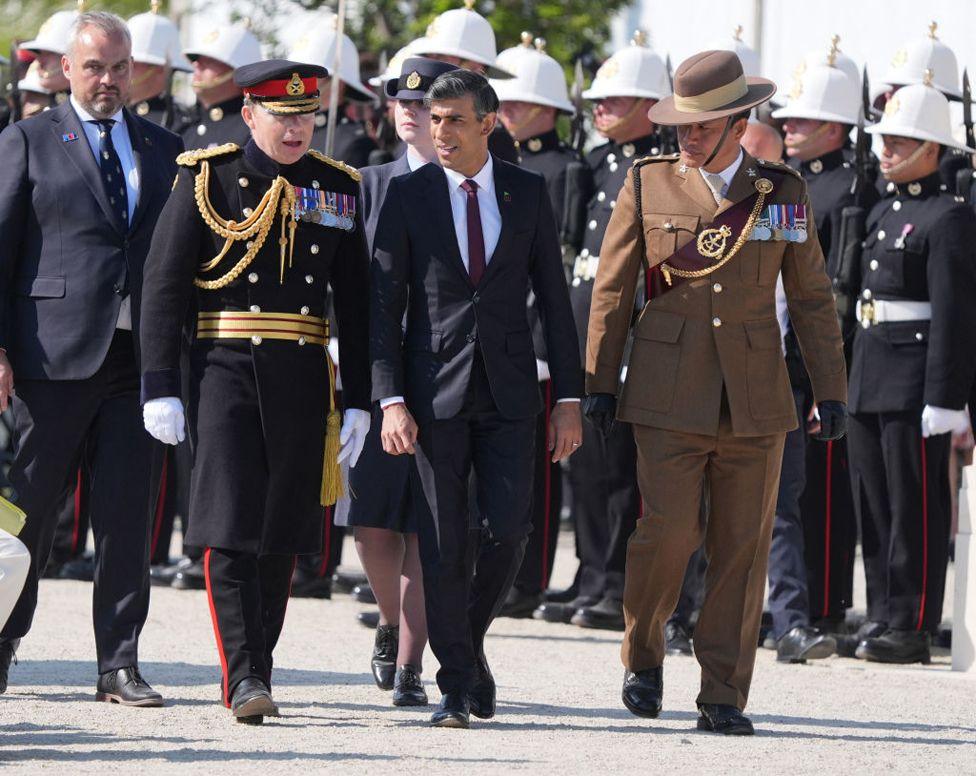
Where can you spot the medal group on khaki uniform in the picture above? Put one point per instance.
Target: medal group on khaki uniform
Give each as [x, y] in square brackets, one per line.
[720, 303]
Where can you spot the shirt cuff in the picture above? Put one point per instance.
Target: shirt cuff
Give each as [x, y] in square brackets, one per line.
[560, 401]
[384, 403]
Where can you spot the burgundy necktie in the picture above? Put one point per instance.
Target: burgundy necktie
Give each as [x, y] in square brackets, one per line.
[476, 239]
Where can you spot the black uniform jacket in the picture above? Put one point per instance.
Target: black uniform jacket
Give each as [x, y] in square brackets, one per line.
[417, 269]
[214, 126]
[66, 260]
[921, 247]
[257, 411]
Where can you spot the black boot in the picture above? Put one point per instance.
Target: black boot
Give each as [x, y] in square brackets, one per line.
[385, 655]
[897, 646]
[608, 614]
[8, 654]
[804, 643]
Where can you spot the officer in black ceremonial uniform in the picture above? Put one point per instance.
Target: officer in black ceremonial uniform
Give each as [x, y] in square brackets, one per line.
[603, 473]
[912, 371]
[254, 237]
[529, 106]
[811, 569]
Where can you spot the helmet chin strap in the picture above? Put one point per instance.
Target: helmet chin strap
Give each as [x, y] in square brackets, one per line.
[718, 145]
[909, 160]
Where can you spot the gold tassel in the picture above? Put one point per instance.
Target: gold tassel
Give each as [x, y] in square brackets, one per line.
[332, 489]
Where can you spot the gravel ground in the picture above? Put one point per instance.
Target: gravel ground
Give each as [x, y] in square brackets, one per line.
[559, 705]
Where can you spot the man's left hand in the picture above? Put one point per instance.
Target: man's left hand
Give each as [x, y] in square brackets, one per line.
[565, 430]
[833, 420]
[352, 436]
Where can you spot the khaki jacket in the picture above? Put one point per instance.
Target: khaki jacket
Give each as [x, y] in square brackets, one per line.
[720, 330]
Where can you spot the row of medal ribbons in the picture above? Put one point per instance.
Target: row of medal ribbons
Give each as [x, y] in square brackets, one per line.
[328, 208]
[781, 222]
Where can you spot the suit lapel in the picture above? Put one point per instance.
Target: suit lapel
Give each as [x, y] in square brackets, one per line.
[80, 154]
[444, 217]
[503, 197]
[741, 185]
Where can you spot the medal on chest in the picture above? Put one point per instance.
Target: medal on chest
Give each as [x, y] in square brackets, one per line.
[326, 208]
[781, 222]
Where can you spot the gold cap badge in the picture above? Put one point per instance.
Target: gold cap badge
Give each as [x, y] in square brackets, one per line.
[413, 80]
[296, 86]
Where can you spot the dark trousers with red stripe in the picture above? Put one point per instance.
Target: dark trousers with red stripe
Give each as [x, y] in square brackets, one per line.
[174, 501]
[547, 499]
[829, 529]
[248, 596]
[900, 483]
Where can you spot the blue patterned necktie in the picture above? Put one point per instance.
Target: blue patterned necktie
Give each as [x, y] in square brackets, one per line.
[113, 179]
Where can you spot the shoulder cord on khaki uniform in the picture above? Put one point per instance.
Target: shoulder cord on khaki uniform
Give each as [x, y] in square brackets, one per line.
[256, 226]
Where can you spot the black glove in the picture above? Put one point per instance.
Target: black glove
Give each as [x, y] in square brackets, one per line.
[601, 410]
[833, 420]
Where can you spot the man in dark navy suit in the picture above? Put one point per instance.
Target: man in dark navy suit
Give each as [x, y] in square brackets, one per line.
[80, 190]
[460, 247]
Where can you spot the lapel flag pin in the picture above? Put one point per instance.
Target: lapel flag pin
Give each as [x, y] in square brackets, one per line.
[69, 137]
[506, 196]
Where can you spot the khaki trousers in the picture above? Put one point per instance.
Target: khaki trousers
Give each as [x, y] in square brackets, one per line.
[743, 478]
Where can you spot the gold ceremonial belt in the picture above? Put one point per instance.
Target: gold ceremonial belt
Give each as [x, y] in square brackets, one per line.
[246, 325]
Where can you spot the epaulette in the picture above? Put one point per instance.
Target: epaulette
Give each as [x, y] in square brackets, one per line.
[352, 172]
[780, 167]
[659, 158]
[190, 158]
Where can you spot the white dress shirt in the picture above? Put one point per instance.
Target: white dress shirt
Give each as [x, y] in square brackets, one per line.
[727, 174]
[123, 147]
[491, 217]
[414, 160]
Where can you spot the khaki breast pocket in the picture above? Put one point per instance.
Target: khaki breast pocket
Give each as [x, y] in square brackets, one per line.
[760, 261]
[666, 233]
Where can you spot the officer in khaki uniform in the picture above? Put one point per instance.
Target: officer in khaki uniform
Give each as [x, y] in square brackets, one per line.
[707, 390]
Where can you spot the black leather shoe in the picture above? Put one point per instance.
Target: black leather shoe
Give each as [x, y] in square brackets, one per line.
[81, 569]
[370, 619]
[364, 594]
[563, 596]
[408, 689]
[452, 712]
[8, 654]
[677, 640]
[481, 697]
[847, 645]
[251, 702]
[126, 686]
[605, 615]
[897, 646]
[385, 654]
[190, 577]
[724, 719]
[344, 581]
[804, 643]
[305, 584]
[643, 691]
[519, 604]
[557, 611]
[161, 574]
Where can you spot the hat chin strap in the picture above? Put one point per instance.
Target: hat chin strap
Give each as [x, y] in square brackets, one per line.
[718, 145]
[805, 143]
[517, 127]
[638, 102]
[912, 158]
[213, 83]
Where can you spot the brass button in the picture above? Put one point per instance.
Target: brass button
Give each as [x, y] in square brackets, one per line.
[613, 167]
[919, 336]
[249, 244]
[309, 279]
[247, 212]
[611, 158]
[305, 310]
[255, 308]
[866, 293]
[717, 288]
[601, 196]
[315, 184]
[252, 278]
[716, 322]
[874, 264]
[201, 129]
[613, 204]
[585, 253]
[314, 249]
[242, 182]
[668, 226]
[301, 340]
[255, 340]
[882, 234]
[592, 225]
[896, 205]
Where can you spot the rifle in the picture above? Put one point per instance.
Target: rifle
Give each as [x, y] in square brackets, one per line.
[576, 193]
[846, 280]
[964, 176]
[669, 135]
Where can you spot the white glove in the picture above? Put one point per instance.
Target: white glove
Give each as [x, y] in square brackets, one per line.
[542, 370]
[352, 436]
[938, 420]
[163, 419]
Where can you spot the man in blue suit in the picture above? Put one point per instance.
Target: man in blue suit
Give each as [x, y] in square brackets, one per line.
[80, 190]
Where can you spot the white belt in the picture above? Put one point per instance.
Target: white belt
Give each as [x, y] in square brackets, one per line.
[585, 267]
[875, 311]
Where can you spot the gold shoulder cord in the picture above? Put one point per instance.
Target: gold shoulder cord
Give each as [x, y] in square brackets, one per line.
[280, 197]
[352, 172]
[763, 187]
